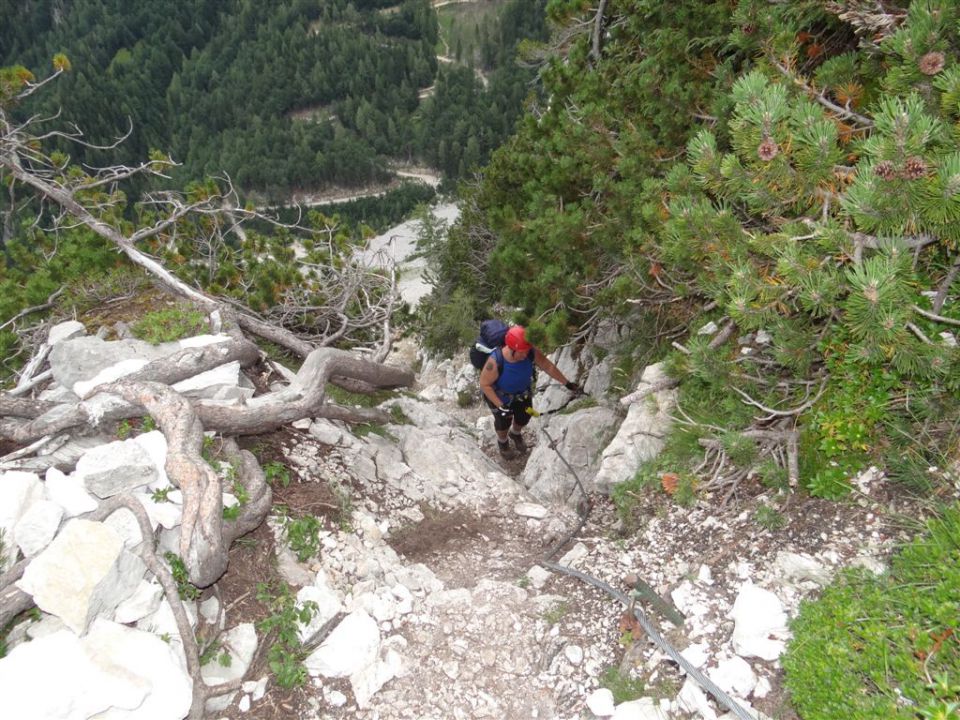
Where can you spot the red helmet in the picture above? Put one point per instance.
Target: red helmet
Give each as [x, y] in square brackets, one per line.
[517, 339]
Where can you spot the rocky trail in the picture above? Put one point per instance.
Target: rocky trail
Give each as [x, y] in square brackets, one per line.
[489, 633]
[421, 551]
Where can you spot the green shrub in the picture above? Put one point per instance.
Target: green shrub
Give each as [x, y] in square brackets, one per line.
[170, 324]
[768, 517]
[303, 536]
[186, 589]
[345, 397]
[285, 656]
[884, 647]
[448, 326]
[276, 472]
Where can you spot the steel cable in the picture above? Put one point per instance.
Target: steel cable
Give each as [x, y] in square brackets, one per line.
[583, 512]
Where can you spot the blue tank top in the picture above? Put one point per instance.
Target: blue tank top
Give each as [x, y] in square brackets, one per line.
[515, 378]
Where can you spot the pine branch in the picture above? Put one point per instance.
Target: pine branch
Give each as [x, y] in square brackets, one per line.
[844, 112]
[942, 291]
[919, 333]
[936, 318]
[772, 413]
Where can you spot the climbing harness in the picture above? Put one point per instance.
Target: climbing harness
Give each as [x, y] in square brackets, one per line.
[641, 589]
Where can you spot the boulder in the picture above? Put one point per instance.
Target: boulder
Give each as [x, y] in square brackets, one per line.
[37, 527]
[68, 492]
[241, 644]
[760, 624]
[642, 434]
[580, 438]
[84, 572]
[117, 467]
[352, 646]
[81, 358]
[18, 492]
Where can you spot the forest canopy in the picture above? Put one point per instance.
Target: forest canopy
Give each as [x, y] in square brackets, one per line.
[280, 96]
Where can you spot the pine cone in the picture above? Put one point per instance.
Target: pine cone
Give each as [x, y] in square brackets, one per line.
[914, 168]
[885, 170]
[932, 63]
[768, 150]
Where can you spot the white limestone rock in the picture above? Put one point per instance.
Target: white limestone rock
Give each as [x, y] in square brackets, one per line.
[370, 679]
[82, 388]
[530, 510]
[117, 467]
[760, 623]
[155, 445]
[114, 673]
[579, 439]
[640, 709]
[735, 676]
[800, 568]
[241, 643]
[328, 605]
[65, 331]
[84, 572]
[600, 702]
[352, 646]
[693, 700]
[642, 434]
[143, 661]
[37, 526]
[69, 493]
[18, 492]
[144, 601]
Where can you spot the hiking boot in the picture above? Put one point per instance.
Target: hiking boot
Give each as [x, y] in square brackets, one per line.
[504, 448]
[518, 442]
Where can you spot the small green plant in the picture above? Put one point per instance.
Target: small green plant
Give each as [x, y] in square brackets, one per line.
[185, 589]
[170, 324]
[623, 687]
[364, 429]
[161, 495]
[208, 651]
[303, 536]
[239, 489]
[686, 492]
[556, 613]
[277, 473]
[345, 397]
[240, 492]
[148, 424]
[466, 398]
[524, 581]
[285, 656]
[768, 517]
[207, 449]
[124, 429]
[398, 416]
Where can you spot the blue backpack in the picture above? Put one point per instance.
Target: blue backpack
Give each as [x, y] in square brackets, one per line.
[492, 335]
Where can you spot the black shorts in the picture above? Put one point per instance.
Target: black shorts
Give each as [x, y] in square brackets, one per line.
[519, 406]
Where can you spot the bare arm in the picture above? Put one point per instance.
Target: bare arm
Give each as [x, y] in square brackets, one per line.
[488, 376]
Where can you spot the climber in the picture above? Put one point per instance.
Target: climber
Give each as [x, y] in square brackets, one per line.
[507, 386]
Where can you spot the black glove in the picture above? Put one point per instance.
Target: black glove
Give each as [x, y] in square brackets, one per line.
[573, 387]
[503, 411]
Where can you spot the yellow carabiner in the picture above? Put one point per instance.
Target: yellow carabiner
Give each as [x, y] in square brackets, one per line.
[532, 412]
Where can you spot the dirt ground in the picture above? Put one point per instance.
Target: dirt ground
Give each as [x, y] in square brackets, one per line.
[461, 547]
